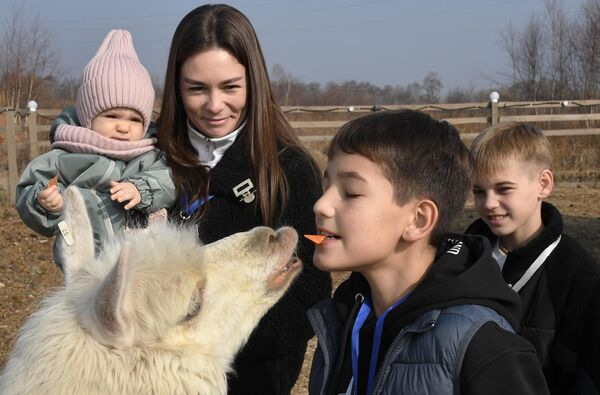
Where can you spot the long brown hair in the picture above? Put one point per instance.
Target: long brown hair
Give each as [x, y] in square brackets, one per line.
[267, 130]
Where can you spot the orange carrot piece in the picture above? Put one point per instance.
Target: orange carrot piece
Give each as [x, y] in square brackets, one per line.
[53, 181]
[317, 239]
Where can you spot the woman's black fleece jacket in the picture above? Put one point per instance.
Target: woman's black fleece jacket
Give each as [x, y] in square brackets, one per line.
[271, 360]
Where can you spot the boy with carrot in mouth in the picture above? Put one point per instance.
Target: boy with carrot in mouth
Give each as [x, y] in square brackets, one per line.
[423, 311]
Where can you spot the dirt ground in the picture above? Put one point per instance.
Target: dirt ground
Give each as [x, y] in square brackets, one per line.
[27, 272]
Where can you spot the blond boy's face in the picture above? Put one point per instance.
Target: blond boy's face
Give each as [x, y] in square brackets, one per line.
[119, 123]
[359, 216]
[509, 201]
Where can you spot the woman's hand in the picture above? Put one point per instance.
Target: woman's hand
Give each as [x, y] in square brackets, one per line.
[125, 191]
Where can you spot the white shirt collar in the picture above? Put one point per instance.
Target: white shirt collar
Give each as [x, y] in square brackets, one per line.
[498, 255]
[211, 150]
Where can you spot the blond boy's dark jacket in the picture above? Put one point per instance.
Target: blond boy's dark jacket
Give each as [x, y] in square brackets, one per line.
[561, 305]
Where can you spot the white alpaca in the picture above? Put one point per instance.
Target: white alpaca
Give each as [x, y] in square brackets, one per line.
[156, 313]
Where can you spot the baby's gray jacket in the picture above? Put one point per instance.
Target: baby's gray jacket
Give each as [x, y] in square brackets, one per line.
[92, 174]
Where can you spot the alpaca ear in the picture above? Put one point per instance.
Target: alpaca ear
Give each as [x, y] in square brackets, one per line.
[112, 302]
[76, 241]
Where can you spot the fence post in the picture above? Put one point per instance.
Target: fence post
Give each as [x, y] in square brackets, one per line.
[494, 97]
[495, 116]
[33, 135]
[11, 146]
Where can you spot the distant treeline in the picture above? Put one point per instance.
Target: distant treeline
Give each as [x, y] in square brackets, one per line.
[291, 92]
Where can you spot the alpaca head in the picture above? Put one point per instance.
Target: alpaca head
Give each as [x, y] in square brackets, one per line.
[160, 288]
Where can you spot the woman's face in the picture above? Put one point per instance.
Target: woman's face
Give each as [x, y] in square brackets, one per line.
[213, 90]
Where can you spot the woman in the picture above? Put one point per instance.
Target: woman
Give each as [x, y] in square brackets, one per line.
[237, 164]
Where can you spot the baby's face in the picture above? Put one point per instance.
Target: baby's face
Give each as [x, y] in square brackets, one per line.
[119, 123]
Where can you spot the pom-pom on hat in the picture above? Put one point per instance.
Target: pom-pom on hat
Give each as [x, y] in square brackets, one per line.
[115, 78]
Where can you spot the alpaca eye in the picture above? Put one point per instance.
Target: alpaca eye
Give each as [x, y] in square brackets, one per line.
[192, 313]
[194, 306]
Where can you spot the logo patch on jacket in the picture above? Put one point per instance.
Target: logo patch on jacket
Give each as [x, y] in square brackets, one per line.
[245, 189]
[455, 250]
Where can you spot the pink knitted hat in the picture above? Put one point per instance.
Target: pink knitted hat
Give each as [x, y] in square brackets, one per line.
[115, 78]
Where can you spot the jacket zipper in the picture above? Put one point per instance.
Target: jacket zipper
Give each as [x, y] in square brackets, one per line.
[358, 300]
[391, 351]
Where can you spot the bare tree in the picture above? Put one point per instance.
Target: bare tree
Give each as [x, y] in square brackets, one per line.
[509, 44]
[525, 50]
[158, 89]
[65, 91]
[432, 85]
[413, 90]
[531, 54]
[560, 53]
[461, 94]
[586, 43]
[281, 82]
[557, 56]
[27, 57]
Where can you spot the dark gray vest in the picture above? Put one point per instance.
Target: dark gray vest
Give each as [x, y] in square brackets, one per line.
[426, 356]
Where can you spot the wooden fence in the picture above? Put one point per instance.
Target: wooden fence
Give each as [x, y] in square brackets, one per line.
[555, 118]
[317, 124]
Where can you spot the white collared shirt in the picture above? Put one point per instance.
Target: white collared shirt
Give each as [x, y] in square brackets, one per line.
[211, 150]
[498, 255]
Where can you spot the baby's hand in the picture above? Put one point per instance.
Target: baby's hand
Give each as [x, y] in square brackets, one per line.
[125, 191]
[50, 198]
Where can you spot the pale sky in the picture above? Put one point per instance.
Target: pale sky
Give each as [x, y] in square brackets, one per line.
[378, 41]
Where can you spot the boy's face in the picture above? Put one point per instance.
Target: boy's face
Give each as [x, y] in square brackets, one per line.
[359, 216]
[509, 200]
[119, 123]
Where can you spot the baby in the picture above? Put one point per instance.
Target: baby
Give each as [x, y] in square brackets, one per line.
[110, 157]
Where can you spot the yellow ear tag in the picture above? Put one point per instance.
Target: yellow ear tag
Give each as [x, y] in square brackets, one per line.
[65, 230]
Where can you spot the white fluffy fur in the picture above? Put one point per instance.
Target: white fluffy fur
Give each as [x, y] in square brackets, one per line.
[118, 326]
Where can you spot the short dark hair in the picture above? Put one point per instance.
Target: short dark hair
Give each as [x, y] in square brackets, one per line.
[421, 157]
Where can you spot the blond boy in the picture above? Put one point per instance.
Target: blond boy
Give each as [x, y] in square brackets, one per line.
[557, 280]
